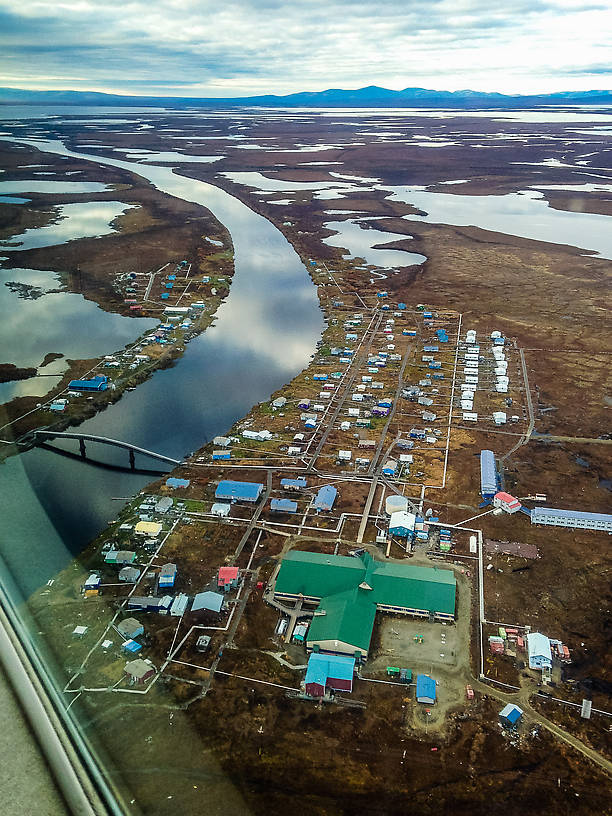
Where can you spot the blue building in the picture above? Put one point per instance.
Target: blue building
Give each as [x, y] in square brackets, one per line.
[425, 689]
[167, 576]
[239, 491]
[431, 348]
[325, 498]
[174, 482]
[222, 454]
[283, 505]
[327, 671]
[97, 383]
[488, 474]
[510, 715]
[294, 484]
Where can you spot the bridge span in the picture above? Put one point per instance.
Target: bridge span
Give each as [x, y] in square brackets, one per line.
[104, 440]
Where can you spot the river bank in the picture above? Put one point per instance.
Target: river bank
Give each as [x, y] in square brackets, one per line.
[113, 272]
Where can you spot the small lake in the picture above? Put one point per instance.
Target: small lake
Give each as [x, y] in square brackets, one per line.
[525, 214]
[360, 243]
[89, 219]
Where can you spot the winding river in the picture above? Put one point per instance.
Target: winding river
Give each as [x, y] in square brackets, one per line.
[264, 334]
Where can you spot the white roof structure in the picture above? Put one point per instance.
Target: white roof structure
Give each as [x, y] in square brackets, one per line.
[401, 518]
[220, 509]
[179, 605]
[538, 649]
[212, 601]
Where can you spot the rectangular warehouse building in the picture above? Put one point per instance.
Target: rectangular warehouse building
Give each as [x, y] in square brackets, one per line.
[348, 592]
[575, 519]
[488, 474]
[239, 491]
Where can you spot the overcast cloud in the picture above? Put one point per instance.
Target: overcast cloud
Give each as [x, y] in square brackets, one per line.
[204, 48]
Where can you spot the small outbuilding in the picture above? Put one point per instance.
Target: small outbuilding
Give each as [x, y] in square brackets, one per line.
[510, 715]
[220, 509]
[425, 689]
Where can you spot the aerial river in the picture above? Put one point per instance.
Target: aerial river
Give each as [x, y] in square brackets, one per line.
[264, 334]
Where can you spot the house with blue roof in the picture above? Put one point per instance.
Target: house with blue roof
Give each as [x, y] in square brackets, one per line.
[283, 505]
[329, 672]
[510, 715]
[325, 498]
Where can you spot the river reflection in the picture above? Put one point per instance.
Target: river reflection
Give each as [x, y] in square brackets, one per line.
[264, 334]
[85, 220]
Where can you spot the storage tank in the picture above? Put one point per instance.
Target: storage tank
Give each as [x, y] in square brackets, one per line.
[396, 504]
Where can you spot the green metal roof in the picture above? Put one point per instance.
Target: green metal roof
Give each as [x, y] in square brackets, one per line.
[349, 617]
[319, 576]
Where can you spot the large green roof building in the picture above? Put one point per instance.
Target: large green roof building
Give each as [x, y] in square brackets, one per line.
[349, 591]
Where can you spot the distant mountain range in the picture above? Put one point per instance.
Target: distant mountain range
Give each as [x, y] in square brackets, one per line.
[370, 97]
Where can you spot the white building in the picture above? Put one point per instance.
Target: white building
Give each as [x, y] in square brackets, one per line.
[538, 649]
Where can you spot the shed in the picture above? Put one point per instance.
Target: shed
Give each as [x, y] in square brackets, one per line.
[510, 715]
[239, 491]
[179, 605]
[210, 601]
[131, 646]
[425, 689]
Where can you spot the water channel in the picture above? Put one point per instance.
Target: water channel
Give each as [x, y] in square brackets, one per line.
[264, 334]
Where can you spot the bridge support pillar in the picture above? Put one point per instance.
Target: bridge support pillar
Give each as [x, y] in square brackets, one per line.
[132, 459]
[82, 448]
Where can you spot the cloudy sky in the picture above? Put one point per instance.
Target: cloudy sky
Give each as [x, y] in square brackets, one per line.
[242, 47]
